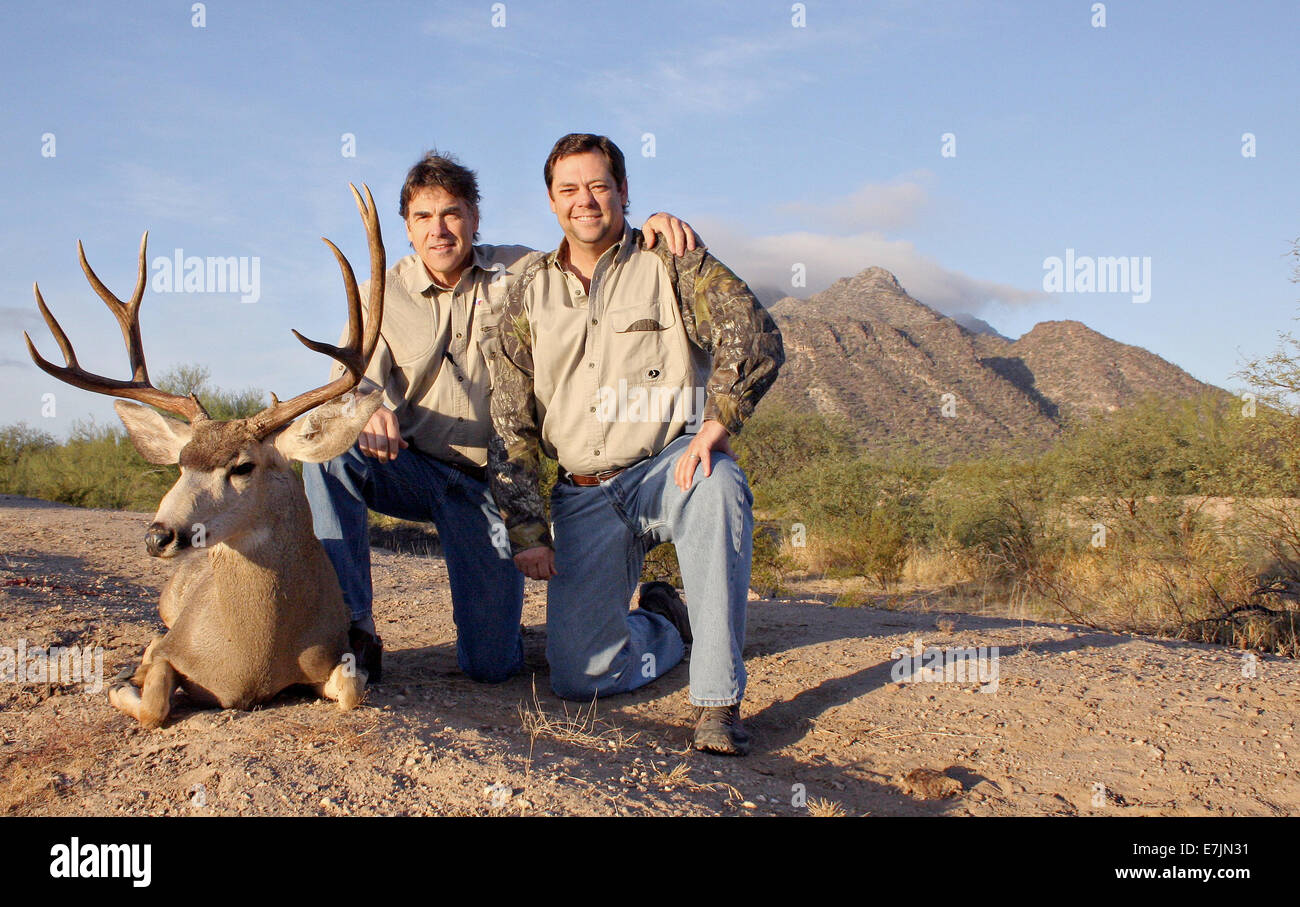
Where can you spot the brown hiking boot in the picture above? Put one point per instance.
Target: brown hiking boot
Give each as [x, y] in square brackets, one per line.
[718, 730]
[662, 599]
[368, 651]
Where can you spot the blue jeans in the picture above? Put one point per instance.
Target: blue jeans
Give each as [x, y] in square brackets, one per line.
[487, 591]
[602, 535]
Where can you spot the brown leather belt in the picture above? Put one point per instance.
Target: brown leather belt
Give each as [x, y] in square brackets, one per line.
[572, 478]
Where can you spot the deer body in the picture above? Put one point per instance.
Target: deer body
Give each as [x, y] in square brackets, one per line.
[296, 635]
[255, 605]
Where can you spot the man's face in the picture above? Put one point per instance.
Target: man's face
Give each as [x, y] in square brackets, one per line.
[586, 201]
[441, 227]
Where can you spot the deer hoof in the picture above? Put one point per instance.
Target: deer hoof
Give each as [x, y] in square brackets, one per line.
[347, 685]
[125, 698]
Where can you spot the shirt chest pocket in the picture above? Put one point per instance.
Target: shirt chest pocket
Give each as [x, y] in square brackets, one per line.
[646, 344]
[410, 331]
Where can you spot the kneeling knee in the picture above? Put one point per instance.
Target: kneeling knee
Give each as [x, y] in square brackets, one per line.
[725, 482]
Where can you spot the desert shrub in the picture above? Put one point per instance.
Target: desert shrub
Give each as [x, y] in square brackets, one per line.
[779, 440]
[771, 564]
[96, 467]
[220, 404]
[18, 443]
[661, 564]
[1004, 514]
[1205, 445]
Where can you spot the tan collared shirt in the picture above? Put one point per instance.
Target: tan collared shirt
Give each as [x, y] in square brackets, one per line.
[602, 379]
[430, 361]
[613, 372]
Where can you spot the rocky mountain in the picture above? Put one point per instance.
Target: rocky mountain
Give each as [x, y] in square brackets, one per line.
[904, 374]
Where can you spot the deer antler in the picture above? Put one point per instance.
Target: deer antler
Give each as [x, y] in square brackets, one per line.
[356, 352]
[128, 317]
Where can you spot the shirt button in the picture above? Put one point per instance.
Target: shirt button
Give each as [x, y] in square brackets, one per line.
[458, 336]
[593, 409]
[460, 418]
[595, 453]
[589, 364]
[594, 321]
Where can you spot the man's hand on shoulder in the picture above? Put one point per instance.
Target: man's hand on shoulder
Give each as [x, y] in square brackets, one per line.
[381, 437]
[677, 233]
[710, 439]
[537, 562]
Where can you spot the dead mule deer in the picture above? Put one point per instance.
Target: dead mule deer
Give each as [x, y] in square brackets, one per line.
[254, 605]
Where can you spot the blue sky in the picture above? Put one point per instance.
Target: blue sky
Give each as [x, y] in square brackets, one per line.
[818, 145]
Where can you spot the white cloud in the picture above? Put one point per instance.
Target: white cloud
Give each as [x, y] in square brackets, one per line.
[874, 206]
[765, 263]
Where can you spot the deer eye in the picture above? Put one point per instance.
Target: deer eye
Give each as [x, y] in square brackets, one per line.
[243, 469]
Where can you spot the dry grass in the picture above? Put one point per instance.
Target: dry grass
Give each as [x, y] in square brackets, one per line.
[680, 776]
[583, 729]
[931, 567]
[1184, 567]
[317, 738]
[825, 809]
[1251, 628]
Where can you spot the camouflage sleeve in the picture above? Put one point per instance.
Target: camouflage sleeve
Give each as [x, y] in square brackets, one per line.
[724, 318]
[514, 471]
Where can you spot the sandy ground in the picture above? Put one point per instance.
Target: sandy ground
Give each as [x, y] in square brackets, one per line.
[1081, 722]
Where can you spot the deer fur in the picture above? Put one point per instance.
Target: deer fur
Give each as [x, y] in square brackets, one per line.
[254, 606]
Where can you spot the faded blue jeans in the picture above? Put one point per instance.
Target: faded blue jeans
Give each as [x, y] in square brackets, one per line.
[602, 534]
[487, 591]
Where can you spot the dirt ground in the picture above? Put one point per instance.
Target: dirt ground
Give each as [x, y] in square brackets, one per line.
[1081, 722]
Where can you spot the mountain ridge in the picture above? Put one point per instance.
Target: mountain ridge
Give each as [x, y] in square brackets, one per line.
[901, 372]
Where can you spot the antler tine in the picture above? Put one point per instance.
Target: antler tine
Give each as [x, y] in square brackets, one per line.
[356, 351]
[72, 373]
[65, 345]
[126, 313]
[378, 265]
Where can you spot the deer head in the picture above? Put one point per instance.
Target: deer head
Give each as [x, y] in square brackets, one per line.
[235, 474]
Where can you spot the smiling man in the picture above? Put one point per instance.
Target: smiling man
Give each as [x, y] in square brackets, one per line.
[605, 317]
[422, 455]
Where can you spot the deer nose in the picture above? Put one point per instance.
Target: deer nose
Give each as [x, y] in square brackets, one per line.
[158, 538]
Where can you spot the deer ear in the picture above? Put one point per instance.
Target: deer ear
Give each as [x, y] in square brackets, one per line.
[158, 438]
[329, 429]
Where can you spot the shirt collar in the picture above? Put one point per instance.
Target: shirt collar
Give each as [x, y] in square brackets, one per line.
[622, 249]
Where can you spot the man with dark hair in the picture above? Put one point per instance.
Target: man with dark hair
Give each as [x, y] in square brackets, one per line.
[422, 455]
[579, 142]
[633, 369]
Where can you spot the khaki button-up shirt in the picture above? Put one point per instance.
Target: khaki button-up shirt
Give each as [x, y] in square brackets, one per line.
[431, 360]
[602, 379]
[614, 376]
